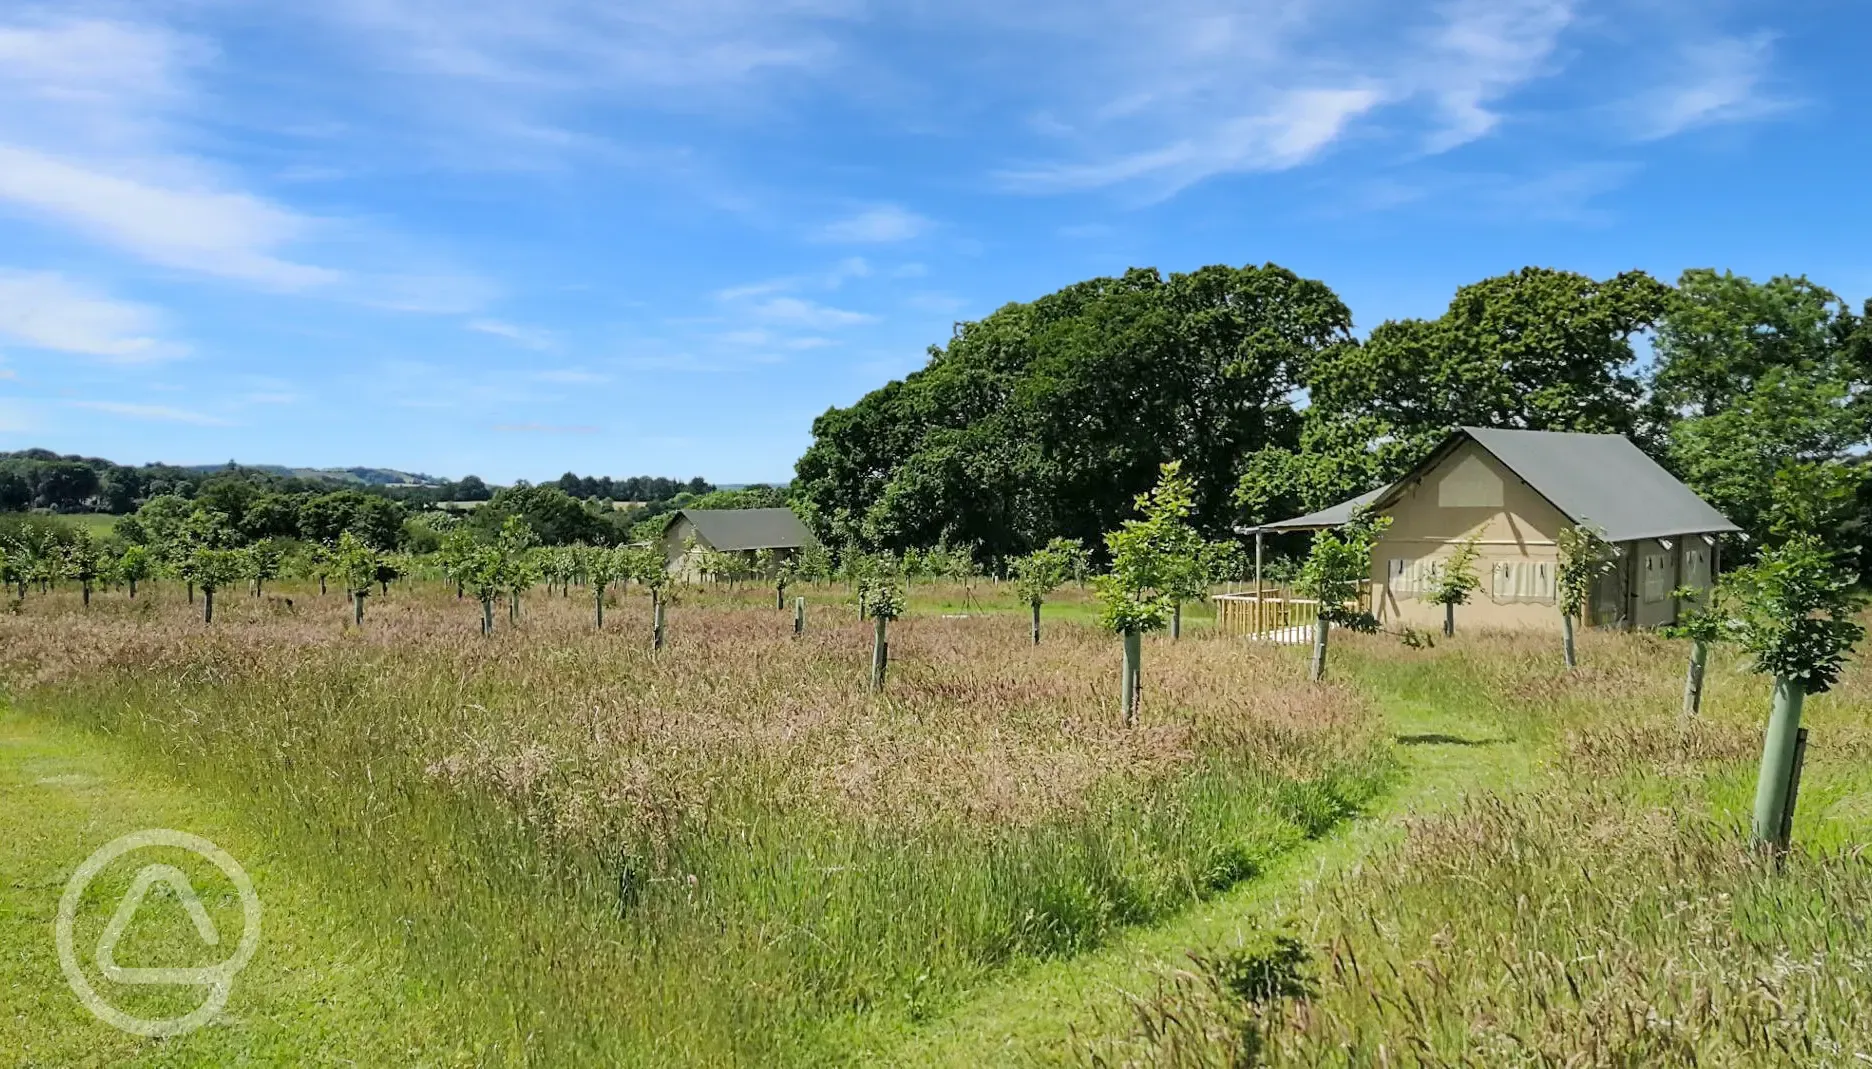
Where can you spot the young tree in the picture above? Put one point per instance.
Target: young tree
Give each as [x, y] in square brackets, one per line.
[1152, 558]
[136, 565]
[456, 556]
[647, 566]
[355, 564]
[517, 569]
[1585, 558]
[1037, 575]
[1795, 616]
[212, 569]
[263, 560]
[13, 569]
[884, 599]
[83, 563]
[315, 562]
[1704, 625]
[813, 564]
[601, 568]
[1456, 580]
[1335, 568]
[481, 569]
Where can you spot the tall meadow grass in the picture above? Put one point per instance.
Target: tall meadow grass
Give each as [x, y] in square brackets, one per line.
[727, 851]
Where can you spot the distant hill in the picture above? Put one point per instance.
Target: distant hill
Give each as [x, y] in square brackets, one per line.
[353, 476]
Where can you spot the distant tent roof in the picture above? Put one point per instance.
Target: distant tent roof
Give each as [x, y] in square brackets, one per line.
[738, 529]
[1598, 480]
[1332, 516]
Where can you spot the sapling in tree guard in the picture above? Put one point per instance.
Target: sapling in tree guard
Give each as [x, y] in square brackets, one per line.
[1456, 580]
[1794, 611]
[263, 563]
[1704, 625]
[885, 601]
[646, 566]
[1152, 558]
[356, 564]
[1584, 558]
[602, 567]
[1339, 561]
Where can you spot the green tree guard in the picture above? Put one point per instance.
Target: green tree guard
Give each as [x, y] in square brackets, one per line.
[1131, 683]
[886, 600]
[1796, 609]
[656, 620]
[799, 616]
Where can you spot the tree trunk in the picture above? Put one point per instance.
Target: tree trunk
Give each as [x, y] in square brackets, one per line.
[207, 605]
[880, 652]
[487, 616]
[1130, 684]
[799, 616]
[1320, 628]
[1449, 619]
[656, 620]
[321, 586]
[191, 592]
[458, 589]
[133, 588]
[357, 608]
[598, 605]
[1772, 812]
[385, 583]
[257, 583]
[1176, 621]
[513, 607]
[1036, 623]
[779, 600]
[1566, 639]
[1693, 679]
[85, 587]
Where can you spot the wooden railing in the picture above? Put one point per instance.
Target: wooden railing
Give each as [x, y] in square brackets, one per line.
[1272, 612]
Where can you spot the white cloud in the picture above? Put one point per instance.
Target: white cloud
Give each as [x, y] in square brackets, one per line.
[1482, 51]
[48, 311]
[810, 314]
[528, 337]
[159, 413]
[876, 225]
[1291, 132]
[1711, 81]
[199, 228]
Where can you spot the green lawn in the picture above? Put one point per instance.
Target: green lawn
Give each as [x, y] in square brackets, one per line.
[313, 994]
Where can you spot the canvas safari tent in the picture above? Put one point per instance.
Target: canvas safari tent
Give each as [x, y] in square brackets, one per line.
[1518, 490]
[743, 531]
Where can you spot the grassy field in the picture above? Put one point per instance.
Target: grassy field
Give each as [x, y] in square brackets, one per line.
[554, 847]
[731, 851]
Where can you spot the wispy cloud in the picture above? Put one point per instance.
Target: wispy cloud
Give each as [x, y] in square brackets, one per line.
[528, 337]
[797, 311]
[881, 224]
[1718, 80]
[160, 413]
[48, 311]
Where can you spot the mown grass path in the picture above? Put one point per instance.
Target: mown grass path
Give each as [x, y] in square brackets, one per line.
[312, 995]
[1031, 1017]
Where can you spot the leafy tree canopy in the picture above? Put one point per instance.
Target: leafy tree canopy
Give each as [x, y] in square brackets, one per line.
[1047, 419]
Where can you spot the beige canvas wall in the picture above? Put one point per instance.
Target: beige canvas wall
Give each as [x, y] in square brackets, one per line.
[1470, 492]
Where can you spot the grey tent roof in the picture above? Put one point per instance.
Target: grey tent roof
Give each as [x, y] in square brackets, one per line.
[1331, 516]
[1598, 480]
[737, 529]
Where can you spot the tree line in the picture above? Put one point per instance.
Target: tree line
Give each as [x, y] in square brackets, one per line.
[1046, 419]
[42, 479]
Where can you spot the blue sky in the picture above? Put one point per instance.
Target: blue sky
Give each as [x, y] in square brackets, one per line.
[515, 237]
